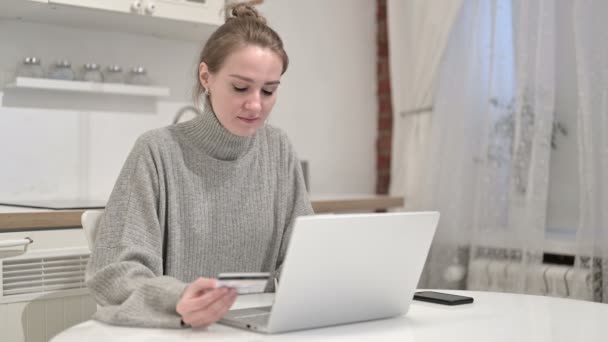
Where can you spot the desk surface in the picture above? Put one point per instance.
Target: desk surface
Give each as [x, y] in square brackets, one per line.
[493, 317]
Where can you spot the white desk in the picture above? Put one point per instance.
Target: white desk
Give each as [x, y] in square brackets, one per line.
[493, 317]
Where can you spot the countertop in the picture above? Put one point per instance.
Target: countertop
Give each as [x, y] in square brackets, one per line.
[19, 219]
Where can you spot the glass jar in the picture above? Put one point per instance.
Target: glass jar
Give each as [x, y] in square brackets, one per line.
[30, 67]
[113, 74]
[62, 70]
[92, 73]
[138, 76]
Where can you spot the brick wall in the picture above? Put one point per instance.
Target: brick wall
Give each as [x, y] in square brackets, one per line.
[385, 107]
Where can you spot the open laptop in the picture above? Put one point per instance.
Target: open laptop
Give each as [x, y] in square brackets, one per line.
[345, 268]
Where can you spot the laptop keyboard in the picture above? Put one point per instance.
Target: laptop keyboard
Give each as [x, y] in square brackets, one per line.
[259, 319]
[257, 316]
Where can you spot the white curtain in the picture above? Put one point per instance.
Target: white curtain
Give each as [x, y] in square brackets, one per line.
[591, 45]
[489, 147]
[418, 32]
[481, 155]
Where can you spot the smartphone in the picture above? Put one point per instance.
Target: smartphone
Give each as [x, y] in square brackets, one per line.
[442, 298]
[244, 282]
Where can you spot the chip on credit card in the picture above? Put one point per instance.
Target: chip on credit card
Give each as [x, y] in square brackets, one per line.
[244, 282]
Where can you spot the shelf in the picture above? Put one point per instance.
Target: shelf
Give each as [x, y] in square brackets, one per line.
[89, 87]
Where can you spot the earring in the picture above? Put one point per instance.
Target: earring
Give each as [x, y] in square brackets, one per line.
[206, 92]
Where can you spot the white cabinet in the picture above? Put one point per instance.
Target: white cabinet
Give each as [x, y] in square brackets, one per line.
[182, 19]
[123, 6]
[207, 11]
[191, 11]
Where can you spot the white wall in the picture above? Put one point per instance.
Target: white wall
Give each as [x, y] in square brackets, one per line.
[327, 99]
[327, 102]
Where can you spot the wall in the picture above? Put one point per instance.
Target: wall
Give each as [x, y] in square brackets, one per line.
[327, 99]
[326, 102]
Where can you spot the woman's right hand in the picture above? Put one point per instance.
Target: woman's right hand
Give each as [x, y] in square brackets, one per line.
[202, 304]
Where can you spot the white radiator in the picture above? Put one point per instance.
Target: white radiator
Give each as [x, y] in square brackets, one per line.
[42, 289]
[543, 279]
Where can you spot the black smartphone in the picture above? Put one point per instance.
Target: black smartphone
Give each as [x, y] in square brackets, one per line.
[442, 298]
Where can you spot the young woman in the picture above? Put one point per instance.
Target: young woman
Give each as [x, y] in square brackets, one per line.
[215, 194]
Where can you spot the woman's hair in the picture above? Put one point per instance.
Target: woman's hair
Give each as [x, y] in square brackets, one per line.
[244, 26]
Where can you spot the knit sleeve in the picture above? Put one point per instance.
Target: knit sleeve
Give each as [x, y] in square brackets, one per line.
[125, 271]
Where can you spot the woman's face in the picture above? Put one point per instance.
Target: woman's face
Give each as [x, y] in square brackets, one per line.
[244, 90]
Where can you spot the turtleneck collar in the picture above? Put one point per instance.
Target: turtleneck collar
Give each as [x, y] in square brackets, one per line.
[208, 134]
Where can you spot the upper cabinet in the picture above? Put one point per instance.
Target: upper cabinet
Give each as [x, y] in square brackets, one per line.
[120, 6]
[185, 10]
[181, 19]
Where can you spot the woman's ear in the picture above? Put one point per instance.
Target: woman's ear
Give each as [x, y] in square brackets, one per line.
[203, 75]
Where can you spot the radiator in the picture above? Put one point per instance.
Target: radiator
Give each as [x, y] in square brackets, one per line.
[42, 289]
[542, 279]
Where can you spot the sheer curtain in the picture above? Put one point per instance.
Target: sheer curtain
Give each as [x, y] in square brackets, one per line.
[418, 32]
[490, 141]
[591, 44]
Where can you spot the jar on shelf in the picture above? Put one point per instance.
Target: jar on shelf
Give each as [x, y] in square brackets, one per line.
[91, 73]
[62, 70]
[114, 74]
[138, 76]
[30, 67]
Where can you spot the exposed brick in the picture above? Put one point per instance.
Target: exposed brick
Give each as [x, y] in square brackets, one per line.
[385, 153]
[384, 173]
[385, 110]
[383, 115]
[380, 10]
[382, 49]
[384, 143]
[385, 105]
[384, 134]
[382, 185]
[383, 162]
[380, 74]
[382, 32]
[382, 69]
[384, 86]
[385, 123]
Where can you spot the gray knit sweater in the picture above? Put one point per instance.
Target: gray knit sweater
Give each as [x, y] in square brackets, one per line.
[192, 200]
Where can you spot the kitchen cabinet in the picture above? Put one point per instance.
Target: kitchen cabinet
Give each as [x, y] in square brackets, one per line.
[207, 11]
[189, 11]
[180, 19]
[121, 6]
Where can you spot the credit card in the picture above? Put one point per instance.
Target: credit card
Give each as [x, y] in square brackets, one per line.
[244, 282]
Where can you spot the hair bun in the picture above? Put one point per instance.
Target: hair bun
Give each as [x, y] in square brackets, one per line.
[246, 10]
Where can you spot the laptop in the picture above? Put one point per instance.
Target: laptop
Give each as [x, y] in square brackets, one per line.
[345, 268]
